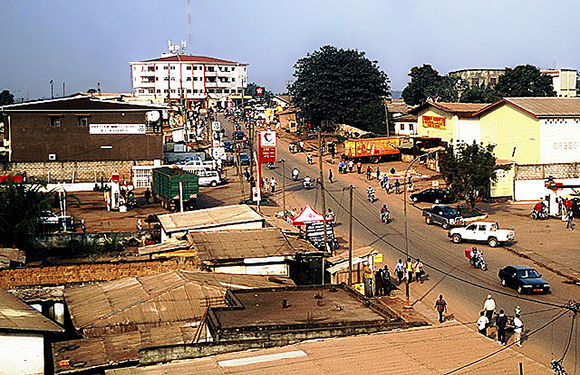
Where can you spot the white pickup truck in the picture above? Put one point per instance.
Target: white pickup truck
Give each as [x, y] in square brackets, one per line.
[198, 165]
[482, 232]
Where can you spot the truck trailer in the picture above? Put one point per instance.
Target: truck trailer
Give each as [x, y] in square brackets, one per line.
[372, 148]
[170, 185]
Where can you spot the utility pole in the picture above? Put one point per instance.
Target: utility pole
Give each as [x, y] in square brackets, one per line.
[51, 89]
[283, 185]
[322, 195]
[351, 188]
[63, 90]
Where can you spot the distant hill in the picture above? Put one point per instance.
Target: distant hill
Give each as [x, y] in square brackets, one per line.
[396, 94]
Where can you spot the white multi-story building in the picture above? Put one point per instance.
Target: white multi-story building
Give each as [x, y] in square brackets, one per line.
[193, 79]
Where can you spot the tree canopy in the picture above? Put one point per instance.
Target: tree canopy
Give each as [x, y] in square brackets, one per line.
[251, 90]
[341, 86]
[469, 170]
[479, 94]
[6, 97]
[524, 80]
[426, 82]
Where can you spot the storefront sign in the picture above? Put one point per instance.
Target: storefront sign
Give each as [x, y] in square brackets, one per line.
[117, 129]
[433, 122]
[267, 147]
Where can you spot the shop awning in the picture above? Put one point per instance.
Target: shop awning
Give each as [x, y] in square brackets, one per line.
[307, 216]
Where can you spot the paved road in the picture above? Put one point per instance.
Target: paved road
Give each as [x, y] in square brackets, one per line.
[466, 290]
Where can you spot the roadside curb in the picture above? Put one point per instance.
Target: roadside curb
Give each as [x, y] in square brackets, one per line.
[548, 264]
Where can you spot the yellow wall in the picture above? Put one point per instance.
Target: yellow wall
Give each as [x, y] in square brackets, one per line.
[508, 127]
[445, 134]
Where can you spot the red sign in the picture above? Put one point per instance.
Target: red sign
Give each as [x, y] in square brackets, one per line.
[434, 122]
[267, 154]
[115, 177]
[259, 91]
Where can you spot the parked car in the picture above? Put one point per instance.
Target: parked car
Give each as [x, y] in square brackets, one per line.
[239, 135]
[244, 159]
[51, 221]
[482, 232]
[228, 147]
[442, 215]
[209, 178]
[432, 195]
[523, 279]
[198, 165]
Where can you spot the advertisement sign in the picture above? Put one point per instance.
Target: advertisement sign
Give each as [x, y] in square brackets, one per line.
[433, 122]
[219, 153]
[267, 147]
[216, 126]
[259, 91]
[117, 129]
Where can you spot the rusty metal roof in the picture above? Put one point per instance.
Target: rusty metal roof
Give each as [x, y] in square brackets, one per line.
[542, 107]
[209, 218]
[427, 351]
[153, 300]
[79, 103]
[16, 316]
[249, 243]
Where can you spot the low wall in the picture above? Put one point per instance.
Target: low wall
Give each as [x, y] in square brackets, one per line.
[67, 240]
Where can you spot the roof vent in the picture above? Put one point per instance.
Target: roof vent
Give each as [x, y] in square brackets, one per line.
[52, 157]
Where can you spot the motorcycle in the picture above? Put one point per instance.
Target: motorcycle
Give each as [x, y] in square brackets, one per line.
[270, 165]
[295, 174]
[371, 195]
[307, 183]
[539, 215]
[309, 159]
[386, 217]
[476, 260]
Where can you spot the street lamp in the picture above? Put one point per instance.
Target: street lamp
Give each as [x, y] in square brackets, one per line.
[405, 214]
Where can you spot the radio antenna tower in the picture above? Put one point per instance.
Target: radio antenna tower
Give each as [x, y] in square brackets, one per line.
[189, 25]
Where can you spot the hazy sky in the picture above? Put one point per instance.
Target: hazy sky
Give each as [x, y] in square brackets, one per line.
[84, 42]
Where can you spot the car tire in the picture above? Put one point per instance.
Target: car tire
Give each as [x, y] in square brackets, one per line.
[437, 201]
[213, 184]
[493, 242]
[414, 199]
[520, 289]
[428, 221]
[456, 238]
[503, 282]
[446, 226]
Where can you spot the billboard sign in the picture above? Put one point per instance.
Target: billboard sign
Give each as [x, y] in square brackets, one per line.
[116, 128]
[433, 122]
[267, 147]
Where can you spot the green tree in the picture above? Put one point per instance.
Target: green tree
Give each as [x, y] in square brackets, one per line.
[6, 97]
[426, 82]
[469, 170]
[21, 207]
[251, 90]
[340, 86]
[479, 94]
[524, 80]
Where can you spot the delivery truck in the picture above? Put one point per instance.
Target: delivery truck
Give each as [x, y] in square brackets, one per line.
[372, 149]
[172, 186]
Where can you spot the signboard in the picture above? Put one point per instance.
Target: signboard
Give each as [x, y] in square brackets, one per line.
[259, 91]
[219, 153]
[117, 129]
[379, 258]
[433, 122]
[267, 147]
[434, 184]
[216, 126]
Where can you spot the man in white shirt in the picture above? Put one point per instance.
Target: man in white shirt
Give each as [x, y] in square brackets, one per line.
[482, 323]
[518, 329]
[489, 308]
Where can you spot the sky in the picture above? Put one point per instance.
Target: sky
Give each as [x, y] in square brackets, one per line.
[81, 43]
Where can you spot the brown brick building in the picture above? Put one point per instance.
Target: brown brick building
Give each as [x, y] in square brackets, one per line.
[84, 135]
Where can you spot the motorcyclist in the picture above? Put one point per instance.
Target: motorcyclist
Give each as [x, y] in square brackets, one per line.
[330, 214]
[295, 174]
[384, 213]
[476, 256]
[309, 158]
[307, 183]
[370, 194]
[538, 208]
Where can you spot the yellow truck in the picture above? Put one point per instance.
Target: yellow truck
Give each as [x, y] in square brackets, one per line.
[372, 148]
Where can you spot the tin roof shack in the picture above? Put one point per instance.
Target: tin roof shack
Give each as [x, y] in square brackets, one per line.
[291, 314]
[434, 350]
[89, 136]
[338, 266]
[267, 251]
[152, 301]
[23, 333]
[210, 219]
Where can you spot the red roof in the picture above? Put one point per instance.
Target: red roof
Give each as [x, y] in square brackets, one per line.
[194, 59]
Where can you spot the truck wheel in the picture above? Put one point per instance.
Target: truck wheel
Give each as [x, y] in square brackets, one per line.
[446, 226]
[428, 220]
[493, 242]
[456, 238]
[520, 289]
[414, 199]
[213, 184]
[437, 201]
[503, 282]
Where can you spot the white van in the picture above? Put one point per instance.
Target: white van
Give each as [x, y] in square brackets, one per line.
[209, 178]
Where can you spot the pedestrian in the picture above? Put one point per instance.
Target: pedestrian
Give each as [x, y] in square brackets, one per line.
[359, 167]
[369, 172]
[368, 279]
[386, 280]
[482, 323]
[385, 179]
[441, 307]
[489, 308]
[388, 187]
[569, 217]
[84, 229]
[301, 145]
[397, 186]
[273, 184]
[340, 167]
[378, 173]
[501, 323]
[379, 282]
[330, 176]
[147, 196]
[350, 165]
[518, 329]
[409, 267]
[139, 225]
[400, 270]
[419, 270]
[410, 183]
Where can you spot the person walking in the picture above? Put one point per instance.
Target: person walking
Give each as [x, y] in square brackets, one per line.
[397, 186]
[350, 166]
[518, 329]
[400, 270]
[379, 282]
[441, 307]
[147, 196]
[409, 268]
[418, 266]
[368, 279]
[386, 280]
[482, 323]
[388, 187]
[369, 172]
[569, 217]
[489, 308]
[273, 184]
[359, 167]
[378, 173]
[330, 176]
[501, 323]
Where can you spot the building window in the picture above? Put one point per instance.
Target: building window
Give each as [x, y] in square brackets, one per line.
[188, 79]
[158, 91]
[475, 81]
[141, 91]
[151, 91]
[188, 67]
[189, 91]
[82, 121]
[165, 68]
[173, 91]
[55, 121]
[157, 78]
[156, 67]
[196, 78]
[172, 67]
[410, 127]
[402, 126]
[210, 69]
[233, 80]
[165, 91]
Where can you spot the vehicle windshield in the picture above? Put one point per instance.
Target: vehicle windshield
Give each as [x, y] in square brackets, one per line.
[448, 211]
[528, 274]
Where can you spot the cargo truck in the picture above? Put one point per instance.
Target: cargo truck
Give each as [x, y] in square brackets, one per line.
[372, 148]
[171, 183]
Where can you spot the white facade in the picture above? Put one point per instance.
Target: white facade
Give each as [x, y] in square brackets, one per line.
[564, 81]
[193, 78]
[468, 130]
[559, 140]
[406, 128]
[21, 353]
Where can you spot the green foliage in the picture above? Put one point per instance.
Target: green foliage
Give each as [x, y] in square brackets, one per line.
[427, 83]
[341, 86]
[6, 97]
[469, 170]
[251, 90]
[21, 207]
[524, 80]
[479, 94]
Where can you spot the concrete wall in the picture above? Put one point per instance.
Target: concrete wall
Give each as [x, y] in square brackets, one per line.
[445, 134]
[559, 140]
[21, 353]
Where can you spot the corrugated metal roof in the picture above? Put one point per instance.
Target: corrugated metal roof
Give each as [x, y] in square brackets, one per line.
[459, 107]
[548, 107]
[428, 350]
[208, 218]
[250, 243]
[192, 59]
[153, 300]
[78, 103]
[15, 315]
